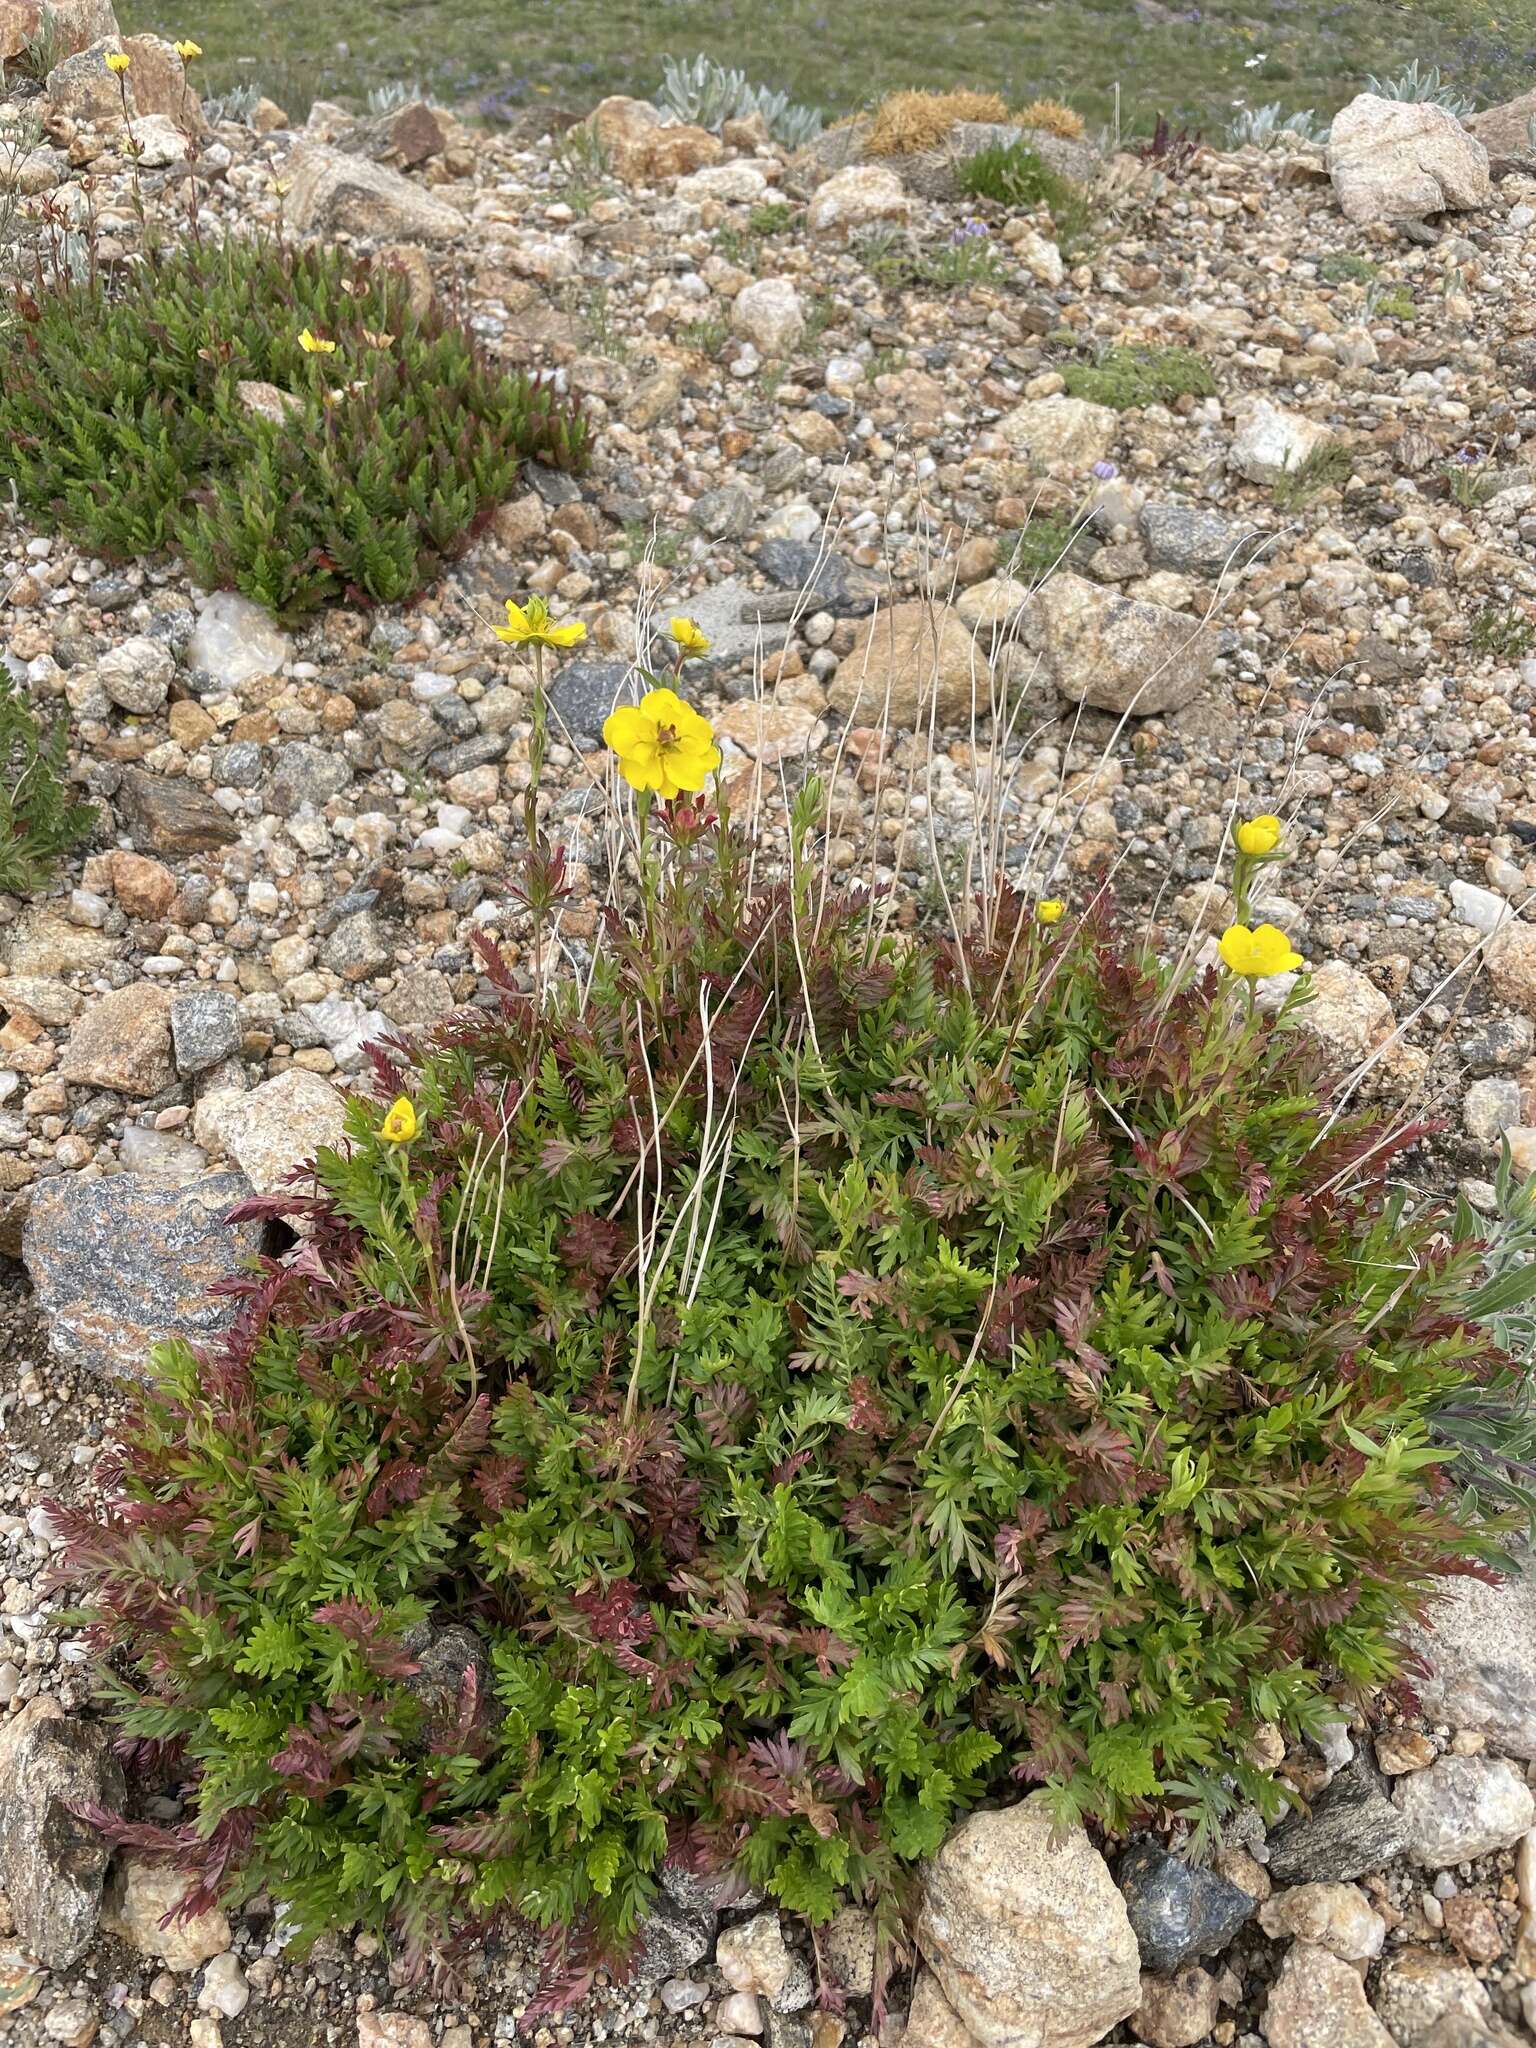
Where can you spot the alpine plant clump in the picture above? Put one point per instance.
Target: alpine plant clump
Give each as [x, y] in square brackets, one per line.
[748, 1410]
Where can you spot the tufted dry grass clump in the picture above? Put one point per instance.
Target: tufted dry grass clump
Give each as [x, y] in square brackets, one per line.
[909, 121]
[1052, 117]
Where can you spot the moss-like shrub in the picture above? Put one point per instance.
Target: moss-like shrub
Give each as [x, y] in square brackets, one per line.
[1041, 546]
[1328, 468]
[39, 820]
[355, 474]
[1125, 377]
[821, 1381]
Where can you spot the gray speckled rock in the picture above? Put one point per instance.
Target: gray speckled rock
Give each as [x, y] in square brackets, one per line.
[51, 1864]
[1480, 1646]
[205, 1029]
[670, 1940]
[304, 774]
[1353, 1827]
[125, 1263]
[1190, 538]
[584, 693]
[828, 581]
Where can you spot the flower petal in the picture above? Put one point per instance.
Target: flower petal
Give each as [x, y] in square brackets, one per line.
[627, 726]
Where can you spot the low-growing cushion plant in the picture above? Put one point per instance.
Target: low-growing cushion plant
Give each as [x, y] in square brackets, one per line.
[40, 821]
[1127, 376]
[285, 418]
[814, 1379]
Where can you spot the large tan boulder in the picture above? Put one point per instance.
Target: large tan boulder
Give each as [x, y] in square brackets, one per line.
[277, 1126]
[642, 148]
[1505, 131]
[161, 85]
[123, 1042]
[74, 25]
[1119, 654]
[334, 193]
[855, 197]
[1347, 1013]
[82, 89]
[1059, 434]
[1402, 159]
[906, 658]
[1026, 1933]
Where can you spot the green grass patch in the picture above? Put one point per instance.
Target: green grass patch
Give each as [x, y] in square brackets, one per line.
[1126, 378]
[122, 414]
[1017, 177]
[1342, 266]
[1043, 545]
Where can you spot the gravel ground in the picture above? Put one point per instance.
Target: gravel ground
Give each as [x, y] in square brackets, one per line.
[811, 397]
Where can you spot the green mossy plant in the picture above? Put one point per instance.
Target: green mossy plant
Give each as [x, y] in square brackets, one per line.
[1343, 266]
[1040, 547]
[1506, 631]
[1127, 377]
[1328, 468]
[39, 820]
[123, 421]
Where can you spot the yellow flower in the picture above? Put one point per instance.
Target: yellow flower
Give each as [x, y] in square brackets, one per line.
[662, 744]
[316, 344]
[528, 625]
[1264, 950]
[689, 637]
[1259, 835]
[1050, 910]
[400, 1123]
[186, 50]
[118, 60]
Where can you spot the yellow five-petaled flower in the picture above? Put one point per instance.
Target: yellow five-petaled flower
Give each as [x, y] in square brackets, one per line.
[1050, 910]
[400, 1123]
[1262, 951]
[690, 638]
[118, 60]
[529, 625]
[316, 344]
[663, 744]
[1259, 835]
[186, 49]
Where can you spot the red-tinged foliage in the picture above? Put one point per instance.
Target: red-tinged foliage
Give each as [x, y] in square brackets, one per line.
[828, 1382]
